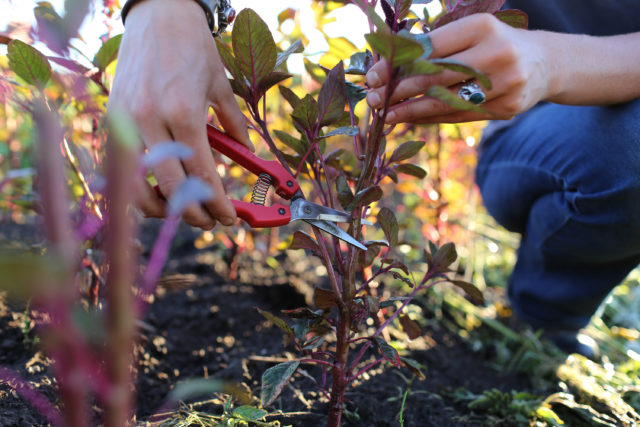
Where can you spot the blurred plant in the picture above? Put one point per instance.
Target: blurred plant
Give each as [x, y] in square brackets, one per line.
[350, 176]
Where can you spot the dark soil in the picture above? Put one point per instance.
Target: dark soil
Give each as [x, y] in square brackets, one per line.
[203, 325]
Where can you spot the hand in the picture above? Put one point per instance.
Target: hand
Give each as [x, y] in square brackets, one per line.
[514, 60]
[169, 73]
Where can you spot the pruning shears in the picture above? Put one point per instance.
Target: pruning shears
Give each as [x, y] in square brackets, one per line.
[272, 173]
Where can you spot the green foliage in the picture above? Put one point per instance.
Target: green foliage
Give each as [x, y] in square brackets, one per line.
[28, 63]
[274, 379]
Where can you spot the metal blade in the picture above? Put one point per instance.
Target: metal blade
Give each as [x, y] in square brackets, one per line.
[331, 228]
[302, 209]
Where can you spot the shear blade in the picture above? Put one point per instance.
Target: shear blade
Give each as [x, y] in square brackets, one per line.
[302, 209]
[331, 228]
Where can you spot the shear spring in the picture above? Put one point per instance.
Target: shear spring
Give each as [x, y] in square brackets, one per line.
[260, 190]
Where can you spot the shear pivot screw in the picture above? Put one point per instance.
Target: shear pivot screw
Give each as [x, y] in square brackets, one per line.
[281, 211]
[289, 183]
[307, 210]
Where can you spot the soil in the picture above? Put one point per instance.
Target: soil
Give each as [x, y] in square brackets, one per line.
[203, 325]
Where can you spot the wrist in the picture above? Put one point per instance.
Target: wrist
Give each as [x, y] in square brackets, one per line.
[205, 8]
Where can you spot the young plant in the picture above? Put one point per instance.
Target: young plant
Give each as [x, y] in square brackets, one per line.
[350, 178]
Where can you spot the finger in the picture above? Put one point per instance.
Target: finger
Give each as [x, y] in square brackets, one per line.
[202, 165]
[228, 113]
[147, 200]
[426, 110]
[462, 34]
[170, 174]
[378, 75]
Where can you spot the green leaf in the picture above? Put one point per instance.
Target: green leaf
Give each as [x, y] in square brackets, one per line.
[28, 63]
[249, 413]
[388, 352]
[402, 8]
[291, 142]
[411, 169]
[274, 379]
[343, 130]
[239, 82]
[456, 66]
[415, 367]
[332, 97]
[471, 290]
[400, 50]
[366, 197]
[418, 68]
[205, 387]
[296, 47]
[302, 240]
[515, 18]
[389, 224]
[406, 150]
[360, 63]
[306, 112]
[463, 9]
[290, 96]
[344, 193]
[355, 94]
[423, 38]
[449, 98]
[280, 323]
[108, 52]
[253, 47]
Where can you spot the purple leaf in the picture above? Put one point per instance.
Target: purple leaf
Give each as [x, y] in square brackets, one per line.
[302, 240]
[253, 47]
[166, 150]
[332, 97]
[389, 224]
[192, 190]
[462, 10]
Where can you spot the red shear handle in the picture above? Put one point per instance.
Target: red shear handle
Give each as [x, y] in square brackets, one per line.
[262, 216]
[284, 184]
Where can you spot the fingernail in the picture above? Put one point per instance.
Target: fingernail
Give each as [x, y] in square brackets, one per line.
[391, 116]
[373, 99]
[209, 227]
[227, 220]
[373, 79]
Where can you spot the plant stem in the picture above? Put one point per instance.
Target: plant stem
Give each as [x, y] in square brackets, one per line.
[121, 167]
[339, 371]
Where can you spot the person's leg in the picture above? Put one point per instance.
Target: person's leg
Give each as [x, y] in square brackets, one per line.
[568, 179]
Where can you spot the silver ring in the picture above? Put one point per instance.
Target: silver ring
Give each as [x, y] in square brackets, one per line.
[472, 92]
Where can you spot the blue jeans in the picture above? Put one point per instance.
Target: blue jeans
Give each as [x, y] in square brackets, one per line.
[568, 179]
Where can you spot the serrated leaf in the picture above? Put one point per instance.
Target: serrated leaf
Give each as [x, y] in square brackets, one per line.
[296, 47]
[389, 224]
[249, 413]
[302, 240]
[344, 193]
[471, 290]
[332, 97]
[415, 367]
[324, 299]
[462, 10]
[449, 98]
[280, 323]
[343, 130]
[366, 197]
[274, 379]
[406, 150]
[400, 50]
[108, 52]
[410, 327]
[458, 67]
[513, 17]
[306, 112]
[162, 151]
[411, 169]
[28, 63]
[360, 63]
[253, 47]
[192, 190]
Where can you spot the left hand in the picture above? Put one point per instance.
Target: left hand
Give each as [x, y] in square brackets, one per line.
[515, 61]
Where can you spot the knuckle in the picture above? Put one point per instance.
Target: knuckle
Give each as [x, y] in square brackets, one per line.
[486, 23]
[142, 109]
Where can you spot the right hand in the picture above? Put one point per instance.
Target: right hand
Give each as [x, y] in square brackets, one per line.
[169, 73]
